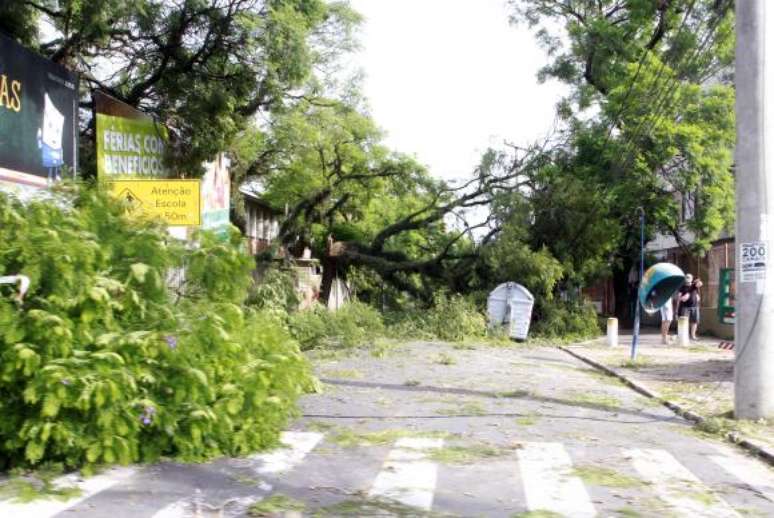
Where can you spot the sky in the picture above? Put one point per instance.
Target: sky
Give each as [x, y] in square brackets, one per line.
[446, 79]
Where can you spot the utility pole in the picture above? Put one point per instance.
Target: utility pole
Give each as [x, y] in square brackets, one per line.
[754, 329]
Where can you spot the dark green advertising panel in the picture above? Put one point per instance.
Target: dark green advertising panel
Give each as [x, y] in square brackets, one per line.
[38, 118]
[727, 296]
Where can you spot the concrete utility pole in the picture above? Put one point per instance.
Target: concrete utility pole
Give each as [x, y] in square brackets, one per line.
[754, 370]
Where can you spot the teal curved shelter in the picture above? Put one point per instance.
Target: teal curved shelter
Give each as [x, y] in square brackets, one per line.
[659, 284]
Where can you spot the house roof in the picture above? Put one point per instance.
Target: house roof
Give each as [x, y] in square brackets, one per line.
[256, 199]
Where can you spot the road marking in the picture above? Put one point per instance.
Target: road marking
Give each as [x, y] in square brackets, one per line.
[749, 471]
[284, 459]
[178, 509]
[281, 460]
[677, 486]
[546, 471]
[48, 508]
[197, 508]
[406, 476]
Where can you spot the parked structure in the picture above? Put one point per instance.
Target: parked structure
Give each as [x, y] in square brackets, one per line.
[261, 222]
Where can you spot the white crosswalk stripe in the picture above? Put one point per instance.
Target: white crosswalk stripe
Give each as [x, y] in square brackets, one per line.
[299, 444]
[407, 476]
[677, 486]
[546, 471]
[277, 462]
[749, 471]
[410, 477]
[47, 508]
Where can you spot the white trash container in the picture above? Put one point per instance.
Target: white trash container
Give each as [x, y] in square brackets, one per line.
[511, 304]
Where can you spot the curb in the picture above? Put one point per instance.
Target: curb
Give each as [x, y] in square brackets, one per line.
[761, 451]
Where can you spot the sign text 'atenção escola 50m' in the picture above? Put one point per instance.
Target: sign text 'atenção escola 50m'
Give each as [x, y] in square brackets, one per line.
[178, 202]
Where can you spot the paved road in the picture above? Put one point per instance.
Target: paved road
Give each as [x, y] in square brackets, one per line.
[430, 430]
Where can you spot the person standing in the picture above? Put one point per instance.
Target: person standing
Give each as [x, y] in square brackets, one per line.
[667, 315]
[689, 300]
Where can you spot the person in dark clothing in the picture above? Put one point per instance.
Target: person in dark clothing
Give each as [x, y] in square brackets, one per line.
[689, 300]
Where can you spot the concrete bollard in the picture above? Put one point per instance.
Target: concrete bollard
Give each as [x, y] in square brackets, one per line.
[683, 338]
[612, 332]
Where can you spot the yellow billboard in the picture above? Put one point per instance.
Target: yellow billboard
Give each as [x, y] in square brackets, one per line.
[177, 202]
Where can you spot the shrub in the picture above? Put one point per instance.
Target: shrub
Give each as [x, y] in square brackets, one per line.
[103, 364]
[354, 324]
[275, 292]
[565, 320]
[451, 317]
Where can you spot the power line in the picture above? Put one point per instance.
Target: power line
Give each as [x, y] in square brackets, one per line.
[629, 90]
[665, 103]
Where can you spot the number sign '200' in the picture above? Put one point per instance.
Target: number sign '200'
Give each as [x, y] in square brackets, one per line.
[753, 261]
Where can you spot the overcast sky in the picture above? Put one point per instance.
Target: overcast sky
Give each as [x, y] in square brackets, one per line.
[448, 78]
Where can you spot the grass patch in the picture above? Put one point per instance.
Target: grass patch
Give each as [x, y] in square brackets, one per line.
[275, 504]
[320, 426]
[719, 426]
[325, 354]
[464, 409]
[599, 476]
[465, 346]
[445, 359]
[603, 377]
[598, 400]
[466, 454]
[384, 402]
[348, 438]
[651, 402]
[627, 512]
[514, 394]
[24, 490]
[383, 348]
[702, 497]
[343, 374]
[374, 507]
[528, 419]
[640, 363]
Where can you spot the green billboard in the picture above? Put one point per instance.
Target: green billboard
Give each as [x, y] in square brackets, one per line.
[130, 144]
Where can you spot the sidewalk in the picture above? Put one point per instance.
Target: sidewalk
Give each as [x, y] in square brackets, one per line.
[698, 378]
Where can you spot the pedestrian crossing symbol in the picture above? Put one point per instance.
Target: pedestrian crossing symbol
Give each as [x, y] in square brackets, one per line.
[131, 199]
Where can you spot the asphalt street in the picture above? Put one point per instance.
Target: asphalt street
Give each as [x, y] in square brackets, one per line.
[428, 429]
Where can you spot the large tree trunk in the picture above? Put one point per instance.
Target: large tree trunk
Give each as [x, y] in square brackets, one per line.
[330, 268]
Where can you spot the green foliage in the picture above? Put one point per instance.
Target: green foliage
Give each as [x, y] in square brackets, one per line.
[354, 324]
[203, 67]
[103, 363]
[275, 292]
[19, 21]
[648, 123]
[565, 320]
[275, 505]
[452, 318]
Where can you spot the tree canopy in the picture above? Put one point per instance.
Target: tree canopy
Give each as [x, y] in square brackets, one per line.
[648, 123]
[204, 68]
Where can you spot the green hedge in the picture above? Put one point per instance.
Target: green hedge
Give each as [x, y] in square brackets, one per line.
[103, 363]
[354, 324]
